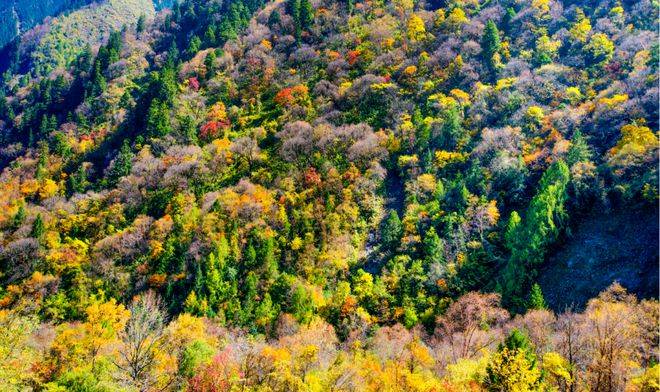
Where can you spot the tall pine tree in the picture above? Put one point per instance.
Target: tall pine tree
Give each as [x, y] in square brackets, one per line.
[121, 166]
[306, 14]
[536, 300]
[490, 47]
[528, 241]
[392, 231]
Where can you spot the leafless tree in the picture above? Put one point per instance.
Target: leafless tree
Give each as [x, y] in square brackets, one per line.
[538, 325]
[296, 140]
[609, 323]
[469, 325]
[647, 316]
[570, 343]
[141, 338]
[19, 258]
[247, 148]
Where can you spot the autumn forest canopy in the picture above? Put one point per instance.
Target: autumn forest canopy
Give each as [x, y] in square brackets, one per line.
[329, 195]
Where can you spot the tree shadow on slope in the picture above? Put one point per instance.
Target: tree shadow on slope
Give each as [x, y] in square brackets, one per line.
[621, 246]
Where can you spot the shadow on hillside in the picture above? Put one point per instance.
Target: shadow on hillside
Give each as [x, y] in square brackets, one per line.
[618, 246]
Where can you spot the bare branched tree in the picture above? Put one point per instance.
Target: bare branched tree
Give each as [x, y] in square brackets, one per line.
[141, 338]
[470, 324]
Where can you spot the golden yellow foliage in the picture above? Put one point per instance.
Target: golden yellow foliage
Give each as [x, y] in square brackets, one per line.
[617, 11]
[217, 112]
[455, 19]
[647, 381]
[600, 47]
[461, 96]
[443, 101]
[573, 94]
[16, 350]
[535, 113]
[427, 182]
[581, 29]
[416, 30]
[185, 330]
[296, 243]
[546, 45]
[542, 6]
[466, 373]
[77, 345]
[72, 252]
[512, 372]
[444, 158]
[404, 5]
[29, 187]
[104, 321]
[440, 16]
[613, 101]
[492, 212]
[48, 189]
[505, 83]
[557, 369]
[410, 70]
[636, 141]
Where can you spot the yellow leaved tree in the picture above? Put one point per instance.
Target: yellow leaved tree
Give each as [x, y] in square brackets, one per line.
[635, 143]
[79, 345]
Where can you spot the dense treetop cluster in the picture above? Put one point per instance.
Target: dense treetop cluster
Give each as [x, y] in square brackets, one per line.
[310, 195]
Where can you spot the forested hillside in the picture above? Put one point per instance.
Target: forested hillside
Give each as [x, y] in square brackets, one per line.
[17, 17]
[58, 42]
[331, 195]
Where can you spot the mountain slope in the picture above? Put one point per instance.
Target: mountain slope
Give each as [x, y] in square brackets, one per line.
[58, 42]
[324, 110]
[328, 195]
[604, 247]
[17, 17]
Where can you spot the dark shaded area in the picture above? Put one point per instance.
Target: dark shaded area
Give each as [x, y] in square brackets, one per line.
[394, 195]
[621, 246]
